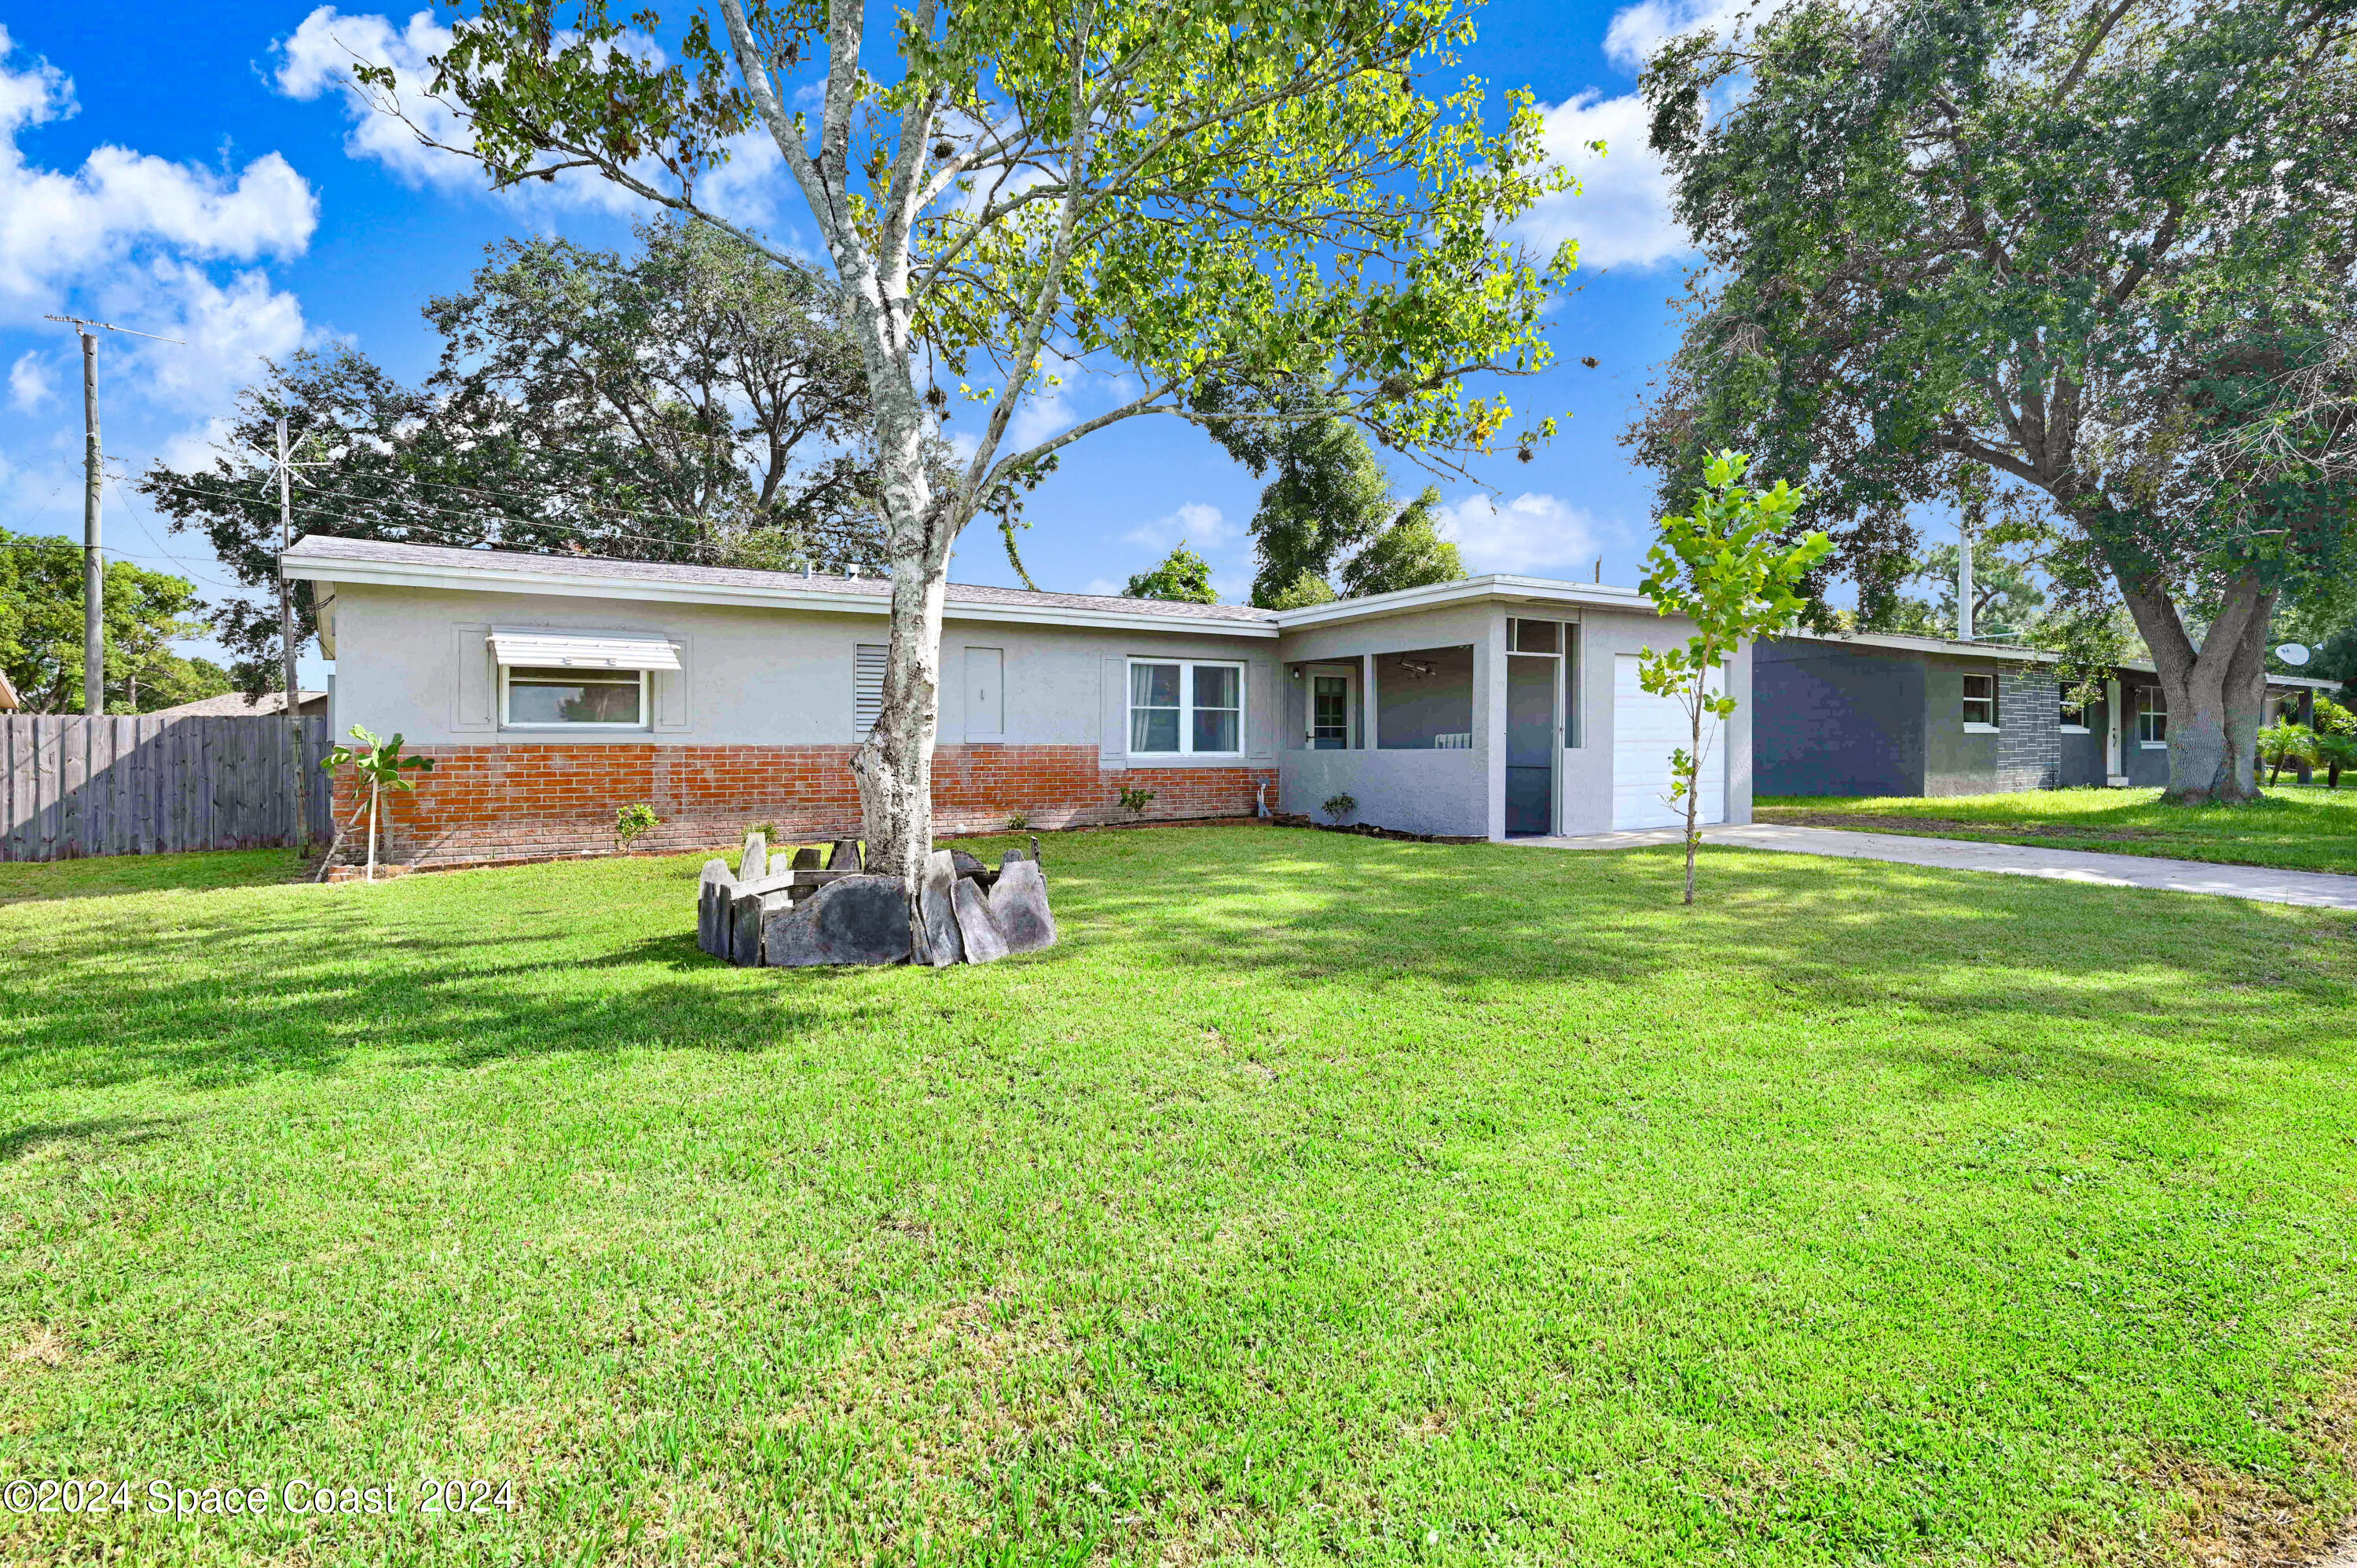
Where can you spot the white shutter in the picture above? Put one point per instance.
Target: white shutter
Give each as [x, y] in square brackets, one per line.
[867, 687]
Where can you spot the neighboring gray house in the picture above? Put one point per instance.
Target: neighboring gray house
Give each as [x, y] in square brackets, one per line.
[552, 690]
[1865, 714]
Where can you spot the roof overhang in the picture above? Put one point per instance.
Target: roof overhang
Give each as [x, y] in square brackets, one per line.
[495, 576]
[1902, 643]
[1948, 645]
[1494, 588]
[8, 698]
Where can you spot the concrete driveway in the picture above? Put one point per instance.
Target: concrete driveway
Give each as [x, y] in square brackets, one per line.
[2314, 889]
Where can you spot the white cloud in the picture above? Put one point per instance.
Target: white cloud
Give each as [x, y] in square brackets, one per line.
[1105, 586]
[56, 227]
[136, 240]
[1531, 530]
[316, 60]
[228, 329]
[1198, 524]
[28, 382]
[1621, 215]
[1638, 30]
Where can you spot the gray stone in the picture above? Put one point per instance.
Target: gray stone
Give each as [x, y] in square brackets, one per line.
[976, 924]
[748, 916]
[1021, 902]
[968, 864]
[853, 920]
[1035, 847]
[936, 911]
[810, 857]
[711, 906]
[754, 864]
[844, 856]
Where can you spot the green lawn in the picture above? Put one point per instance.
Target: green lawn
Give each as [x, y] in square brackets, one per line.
[2301, 827]
[1320, 1200]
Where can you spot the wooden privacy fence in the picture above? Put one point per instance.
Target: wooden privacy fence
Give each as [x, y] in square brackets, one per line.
[72, 787]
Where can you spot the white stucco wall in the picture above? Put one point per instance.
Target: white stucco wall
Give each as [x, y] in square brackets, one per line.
[414, 659]
[1464, 793]
[1585, 800]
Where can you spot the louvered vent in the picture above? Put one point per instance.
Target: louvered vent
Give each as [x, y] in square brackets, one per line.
[867, 687]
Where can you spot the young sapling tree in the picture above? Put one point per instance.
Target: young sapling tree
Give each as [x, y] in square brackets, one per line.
[380, 766]
[1725, 568]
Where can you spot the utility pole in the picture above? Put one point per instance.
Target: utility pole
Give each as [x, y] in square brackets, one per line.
[1965, 583]
[93, 561]
[286, 645]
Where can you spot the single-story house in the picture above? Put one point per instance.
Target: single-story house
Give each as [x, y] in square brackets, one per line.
[1867, 713]
[238, 705]
[551, 691]
[9, 702]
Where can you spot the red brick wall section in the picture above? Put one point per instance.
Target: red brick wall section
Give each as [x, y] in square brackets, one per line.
[483, 804]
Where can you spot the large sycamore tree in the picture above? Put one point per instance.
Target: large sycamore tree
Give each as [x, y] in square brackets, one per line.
[2102, 251]
[1245, 194]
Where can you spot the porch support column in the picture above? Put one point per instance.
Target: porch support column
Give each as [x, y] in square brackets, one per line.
[2308, 721]
[1366, 701]
[2115, 760]
[1489, 720]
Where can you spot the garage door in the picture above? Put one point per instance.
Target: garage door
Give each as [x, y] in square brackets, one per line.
[1645, 730]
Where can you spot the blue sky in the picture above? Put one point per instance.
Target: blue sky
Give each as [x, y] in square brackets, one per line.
[198, 172]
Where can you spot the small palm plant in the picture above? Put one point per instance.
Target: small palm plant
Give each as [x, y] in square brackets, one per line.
[2284, 743]
[380, 765]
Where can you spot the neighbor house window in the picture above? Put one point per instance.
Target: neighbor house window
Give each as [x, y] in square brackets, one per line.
[2152, 715]
[2074, 716]
[556, 698]
[1980, 701]
[1185, 708]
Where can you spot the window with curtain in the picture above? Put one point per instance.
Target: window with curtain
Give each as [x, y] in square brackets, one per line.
[1185, 707]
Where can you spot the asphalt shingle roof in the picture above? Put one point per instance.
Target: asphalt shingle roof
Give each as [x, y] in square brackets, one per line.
[322, 548]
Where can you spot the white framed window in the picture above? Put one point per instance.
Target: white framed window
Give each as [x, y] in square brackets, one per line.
[1185, 707]
[1980, 703]
[556, 698]
[2152, 717]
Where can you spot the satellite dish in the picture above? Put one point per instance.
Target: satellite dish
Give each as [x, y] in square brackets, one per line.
[2293, 653]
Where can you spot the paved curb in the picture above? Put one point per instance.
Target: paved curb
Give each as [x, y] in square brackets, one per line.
[2308, 890]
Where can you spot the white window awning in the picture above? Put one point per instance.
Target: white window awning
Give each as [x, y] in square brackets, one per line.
[583, 650]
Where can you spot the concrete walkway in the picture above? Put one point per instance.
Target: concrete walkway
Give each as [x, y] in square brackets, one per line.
[2315, 889]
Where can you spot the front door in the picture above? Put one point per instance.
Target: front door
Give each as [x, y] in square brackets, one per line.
[1330, 712]
[1530, 743]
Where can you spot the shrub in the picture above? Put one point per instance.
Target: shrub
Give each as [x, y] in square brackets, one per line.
[2336, 750]
[633, 822]
[769, 830]
[1017, 820]
[1135, 801]
[1340, 807]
